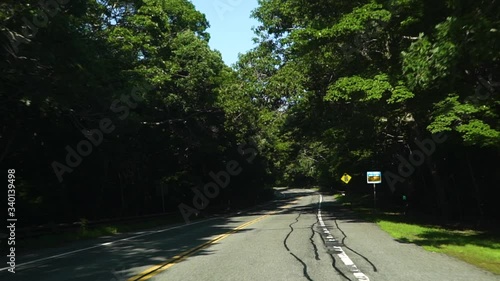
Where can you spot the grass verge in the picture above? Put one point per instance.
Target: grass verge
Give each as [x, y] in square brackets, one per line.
[479, 248]
[58, 239]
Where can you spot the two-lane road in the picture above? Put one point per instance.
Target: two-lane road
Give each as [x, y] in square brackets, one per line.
[302, 237]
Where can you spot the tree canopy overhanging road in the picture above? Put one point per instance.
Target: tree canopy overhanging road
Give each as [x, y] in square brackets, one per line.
[114, 109]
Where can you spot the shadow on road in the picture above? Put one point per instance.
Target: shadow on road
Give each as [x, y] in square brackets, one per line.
[121, 260]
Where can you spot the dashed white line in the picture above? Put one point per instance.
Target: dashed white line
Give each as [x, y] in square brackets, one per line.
[341, 253]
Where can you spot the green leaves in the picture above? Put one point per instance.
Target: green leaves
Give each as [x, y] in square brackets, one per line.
[358, 20]
[425, 63]
[476, 132]
[400, 94]
[364, 90]
[346, 87]
[453, 115]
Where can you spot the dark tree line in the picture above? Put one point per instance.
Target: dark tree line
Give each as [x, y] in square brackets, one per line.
[333, 87]
[136, 80]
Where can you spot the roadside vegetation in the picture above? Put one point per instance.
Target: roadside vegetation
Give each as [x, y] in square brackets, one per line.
[478, 247]
[91, 232]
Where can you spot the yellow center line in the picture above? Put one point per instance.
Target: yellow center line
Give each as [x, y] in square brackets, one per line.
[155, 270]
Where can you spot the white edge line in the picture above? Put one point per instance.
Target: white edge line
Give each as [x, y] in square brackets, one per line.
[105, 244]
[119, 240]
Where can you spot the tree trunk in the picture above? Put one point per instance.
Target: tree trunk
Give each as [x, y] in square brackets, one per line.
[476, 189]
[440, 188]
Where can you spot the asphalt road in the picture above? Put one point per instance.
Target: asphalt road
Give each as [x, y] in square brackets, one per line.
[301, 237]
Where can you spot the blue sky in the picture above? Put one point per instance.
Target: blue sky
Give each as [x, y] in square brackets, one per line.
[230, 25]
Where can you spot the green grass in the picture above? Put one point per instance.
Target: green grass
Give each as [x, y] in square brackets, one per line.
[475, 247]
[60, 239]
[471, 246]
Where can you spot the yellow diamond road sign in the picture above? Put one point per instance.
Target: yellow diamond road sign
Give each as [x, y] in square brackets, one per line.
[345, 178]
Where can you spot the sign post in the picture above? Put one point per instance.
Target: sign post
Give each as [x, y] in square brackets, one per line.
[345, 178]
[374, 177]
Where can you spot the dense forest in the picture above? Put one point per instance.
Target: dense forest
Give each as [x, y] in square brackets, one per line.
[115, 108]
